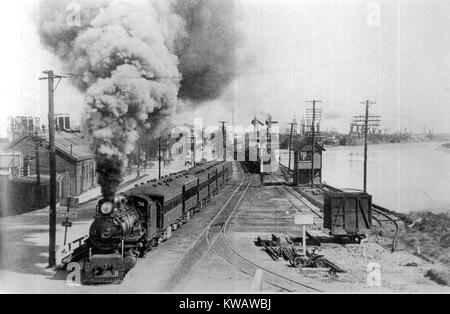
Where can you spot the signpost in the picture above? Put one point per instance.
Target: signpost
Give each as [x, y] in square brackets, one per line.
[67, 224]
[64, 214]
[69, 203]
[304, 220]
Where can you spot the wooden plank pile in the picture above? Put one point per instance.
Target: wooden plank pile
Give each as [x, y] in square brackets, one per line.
[273, 247]
[269, 241]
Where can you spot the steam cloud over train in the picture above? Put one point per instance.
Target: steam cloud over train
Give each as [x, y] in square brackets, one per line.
[128, 225]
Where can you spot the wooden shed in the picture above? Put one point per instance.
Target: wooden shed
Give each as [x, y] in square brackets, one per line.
[303, 157]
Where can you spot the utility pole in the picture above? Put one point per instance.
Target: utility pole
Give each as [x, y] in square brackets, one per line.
[366, 131]
[224, 136]
[269, 124]
[159, 158]
[293, 124]
[235, 155]
[139, 161]
[52, 163]
[38, 162]
[13, 129]
[193, 147]
[52, 160]
[256, 133]
[313, 131]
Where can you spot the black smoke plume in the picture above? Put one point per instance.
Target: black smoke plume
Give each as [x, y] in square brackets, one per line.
[133, 60]
[207, 53]
[109, 174]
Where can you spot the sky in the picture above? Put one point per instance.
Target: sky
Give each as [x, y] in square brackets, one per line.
[342, 52]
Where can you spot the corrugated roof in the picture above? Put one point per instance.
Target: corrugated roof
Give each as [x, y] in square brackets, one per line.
[158, 189]
[308, 141]
[73, 145]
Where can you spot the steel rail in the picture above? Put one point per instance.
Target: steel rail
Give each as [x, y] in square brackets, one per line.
[376, 209]
[227, 242]
[301, 200]
[212, 249]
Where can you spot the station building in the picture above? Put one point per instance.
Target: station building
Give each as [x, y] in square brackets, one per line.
[304, 155]
[75, 163]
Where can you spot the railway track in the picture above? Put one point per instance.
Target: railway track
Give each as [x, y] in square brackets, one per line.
[196, 246]
[214, 237]
[218, 243]
[295, 195]
[221, 246]
[381, 211]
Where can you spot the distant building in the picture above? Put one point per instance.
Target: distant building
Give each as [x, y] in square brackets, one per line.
[20, 125]
[75, 163]
[177, 147]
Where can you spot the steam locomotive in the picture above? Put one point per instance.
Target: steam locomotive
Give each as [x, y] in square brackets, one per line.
[130, 224]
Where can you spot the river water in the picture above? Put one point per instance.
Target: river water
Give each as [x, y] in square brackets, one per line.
[402, 177]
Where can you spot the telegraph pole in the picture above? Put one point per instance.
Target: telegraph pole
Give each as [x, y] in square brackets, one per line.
[52, 163]
[159, 158]
[366, 131]
[13, 131]
[224, 136]
[139, 161]
[313, 131]
[38, 162]
[290, 142]
[193, 147]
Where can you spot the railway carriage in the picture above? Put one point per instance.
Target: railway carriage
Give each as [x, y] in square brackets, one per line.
[130, 224]
[225, 172]
[213, 180]
[204, 187]
[218, 169]
[189, 191]
[168, 197]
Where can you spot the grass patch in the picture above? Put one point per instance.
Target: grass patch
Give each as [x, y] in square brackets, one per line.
[439, 277]
[430, 232]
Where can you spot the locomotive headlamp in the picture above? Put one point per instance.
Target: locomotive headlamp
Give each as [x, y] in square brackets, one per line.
[107, 208]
